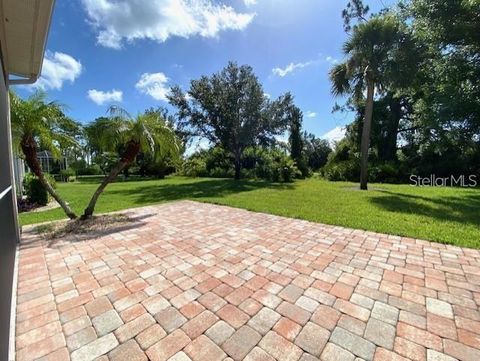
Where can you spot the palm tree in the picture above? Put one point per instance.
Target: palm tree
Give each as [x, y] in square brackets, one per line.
[148, 133]
[37, 123]
[370, 54]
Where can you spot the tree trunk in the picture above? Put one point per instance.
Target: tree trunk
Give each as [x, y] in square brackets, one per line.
[390, 150]
[29, 148]
[367, 126]
[238, 164]
[126, 159]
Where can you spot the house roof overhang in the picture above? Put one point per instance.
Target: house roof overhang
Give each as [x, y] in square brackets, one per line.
[24, 28]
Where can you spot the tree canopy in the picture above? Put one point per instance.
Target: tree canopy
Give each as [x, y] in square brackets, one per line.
[427, 106]
[230, 109]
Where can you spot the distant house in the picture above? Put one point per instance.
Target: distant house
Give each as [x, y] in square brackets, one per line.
[47, 161]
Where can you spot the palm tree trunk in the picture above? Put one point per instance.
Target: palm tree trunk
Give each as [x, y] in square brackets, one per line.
[126, 159]
[29, 148]
[367, 126]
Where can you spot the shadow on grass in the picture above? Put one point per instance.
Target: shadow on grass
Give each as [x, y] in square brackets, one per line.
[464, 209]
[212, 188]
[96, 179]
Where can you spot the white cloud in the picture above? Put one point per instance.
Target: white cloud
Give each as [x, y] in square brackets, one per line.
[58, 68]
[154, 84]
[100, 97]
[310, 114]
[292, 67]
[119, 20]
[281, 72]
[250, 2]
[334, 135]
[331, 60]
[267, 95]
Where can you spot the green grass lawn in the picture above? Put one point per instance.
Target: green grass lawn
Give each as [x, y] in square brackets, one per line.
[448, 215]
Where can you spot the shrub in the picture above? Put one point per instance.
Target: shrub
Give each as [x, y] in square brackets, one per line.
[257, 163]
[94, 169]
[290, 171]
[35, 191]
[147, 165]
[218, 172]
[385, 173]
[248, 174]
[78, 164]
[194, 167]
[67, 175]
[285, 171]
[90, 178]
[276, 166]
[346, 170]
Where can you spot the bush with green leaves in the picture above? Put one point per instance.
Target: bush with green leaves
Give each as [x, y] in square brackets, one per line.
[67, 175]
[285, 171]
[257, 163]
[35, 191]
[272, 164]
[388, 172]
[219, 172]
[194, 167]
[345, 170]
[93, 169]
[343, 163]
[147, 165]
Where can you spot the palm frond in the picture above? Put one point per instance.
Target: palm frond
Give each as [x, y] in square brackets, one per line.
[159, 137]
[340, 79]
[115, 111]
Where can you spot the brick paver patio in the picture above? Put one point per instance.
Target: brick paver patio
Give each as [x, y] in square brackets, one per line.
[192, 281]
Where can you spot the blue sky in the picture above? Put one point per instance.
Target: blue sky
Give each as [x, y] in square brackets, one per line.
[130, 52]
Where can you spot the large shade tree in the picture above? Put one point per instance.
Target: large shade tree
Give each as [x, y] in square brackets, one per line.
[230, 109]
[39, 124]
[148, 133]
[377, 58]
[448, 111]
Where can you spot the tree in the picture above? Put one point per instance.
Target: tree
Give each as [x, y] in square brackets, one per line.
[448, 110]
[230, 109]
[93, 135]
[374, 52]
[37, 124]
[295, 139]
[316, 151]
[355, 10]
[428, 122]
[147, 133]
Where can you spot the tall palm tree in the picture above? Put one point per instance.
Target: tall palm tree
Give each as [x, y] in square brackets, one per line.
[36, 124]
[371, 53]
[148, 133]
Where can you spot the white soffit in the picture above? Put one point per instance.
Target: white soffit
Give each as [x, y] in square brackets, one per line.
[24, 30]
